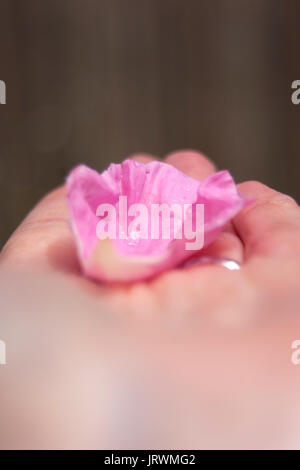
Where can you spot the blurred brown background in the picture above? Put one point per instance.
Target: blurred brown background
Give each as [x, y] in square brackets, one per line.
[95, 80]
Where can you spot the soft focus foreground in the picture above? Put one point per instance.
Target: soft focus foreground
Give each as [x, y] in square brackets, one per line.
[90, 370]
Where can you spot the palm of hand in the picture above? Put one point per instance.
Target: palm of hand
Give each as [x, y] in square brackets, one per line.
[232, 318]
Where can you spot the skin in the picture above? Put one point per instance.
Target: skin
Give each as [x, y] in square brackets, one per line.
[206, 349]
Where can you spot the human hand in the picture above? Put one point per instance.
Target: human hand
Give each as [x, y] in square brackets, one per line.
[207, 332]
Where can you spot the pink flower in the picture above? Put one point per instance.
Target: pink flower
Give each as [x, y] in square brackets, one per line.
[115, 244]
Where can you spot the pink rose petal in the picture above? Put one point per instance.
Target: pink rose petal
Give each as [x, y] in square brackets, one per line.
[136, 258]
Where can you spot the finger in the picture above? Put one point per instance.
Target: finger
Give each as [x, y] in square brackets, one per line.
[44, 237]
[143, 157]
[271, 224]
[191, 163]
[227, 246]
[194, 164]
